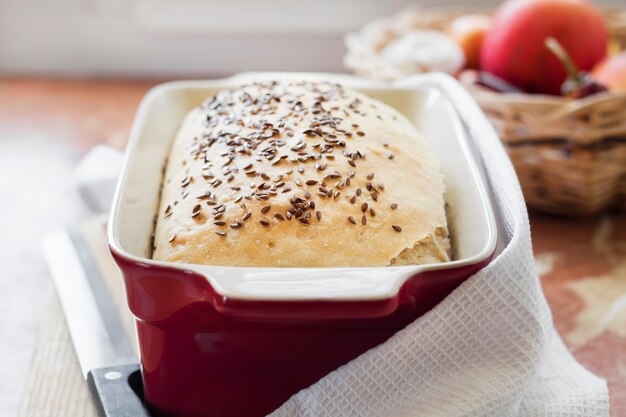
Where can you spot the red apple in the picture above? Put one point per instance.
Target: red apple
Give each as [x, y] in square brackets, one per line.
[514, 48]
[612, 72]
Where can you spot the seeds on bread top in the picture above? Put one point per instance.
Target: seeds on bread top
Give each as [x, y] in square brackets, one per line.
[278, 160]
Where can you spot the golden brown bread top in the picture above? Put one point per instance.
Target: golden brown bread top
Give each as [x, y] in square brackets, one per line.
[298, 174]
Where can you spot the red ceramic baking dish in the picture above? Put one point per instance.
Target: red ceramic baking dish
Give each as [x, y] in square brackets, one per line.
[228, 341]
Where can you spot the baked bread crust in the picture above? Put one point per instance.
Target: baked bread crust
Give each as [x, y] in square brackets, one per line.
[300, 174]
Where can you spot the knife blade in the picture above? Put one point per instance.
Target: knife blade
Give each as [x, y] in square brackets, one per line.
[103, 350]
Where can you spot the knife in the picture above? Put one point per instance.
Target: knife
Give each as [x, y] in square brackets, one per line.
[103, 350]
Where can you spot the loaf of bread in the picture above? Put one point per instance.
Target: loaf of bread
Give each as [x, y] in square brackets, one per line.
[300, 174]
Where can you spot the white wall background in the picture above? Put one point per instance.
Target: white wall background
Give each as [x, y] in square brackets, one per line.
[183, 37]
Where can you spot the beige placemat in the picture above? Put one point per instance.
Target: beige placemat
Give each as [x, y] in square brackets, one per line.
[55, 385]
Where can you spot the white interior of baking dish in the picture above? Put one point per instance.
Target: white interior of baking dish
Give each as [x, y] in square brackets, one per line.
[470, 215]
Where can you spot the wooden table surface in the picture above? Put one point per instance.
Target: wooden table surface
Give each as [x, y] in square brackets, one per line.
[582, 262]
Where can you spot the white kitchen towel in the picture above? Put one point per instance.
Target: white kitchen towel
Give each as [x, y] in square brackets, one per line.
[488, 349]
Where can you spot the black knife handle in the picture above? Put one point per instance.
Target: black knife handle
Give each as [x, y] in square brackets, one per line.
[115, 392]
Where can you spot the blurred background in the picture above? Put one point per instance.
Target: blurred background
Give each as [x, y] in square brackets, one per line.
[72, 73]
[187, 38]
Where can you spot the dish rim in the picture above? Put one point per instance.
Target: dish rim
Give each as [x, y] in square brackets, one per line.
[394, 275]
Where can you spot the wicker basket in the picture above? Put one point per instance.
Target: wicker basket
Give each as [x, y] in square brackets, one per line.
[570, 155]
